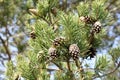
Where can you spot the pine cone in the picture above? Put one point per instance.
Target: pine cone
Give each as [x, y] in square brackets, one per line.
[74, 51]
[33, 35]
[57, 41]
[53, 52]
[54, 11]
[87, 19]
[96, 27]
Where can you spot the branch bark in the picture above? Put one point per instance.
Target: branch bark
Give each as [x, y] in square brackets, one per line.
[6, 48]
[79, 66]
[108, 72]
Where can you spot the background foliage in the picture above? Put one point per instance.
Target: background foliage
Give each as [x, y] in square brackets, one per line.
[51, 19]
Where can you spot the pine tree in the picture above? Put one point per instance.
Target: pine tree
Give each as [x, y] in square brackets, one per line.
[66, 37]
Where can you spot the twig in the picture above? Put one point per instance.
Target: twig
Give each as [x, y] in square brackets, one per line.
[91, 38]
[54, 22]
[6, 48]
[65, 5]
[60, 67]
[49, 15]
[70, 72]
[7, 38]
[35, 78]
[68, 65]
[84, 69]
[17, 78]
[108, 72]
[45, 19]
[79, 65]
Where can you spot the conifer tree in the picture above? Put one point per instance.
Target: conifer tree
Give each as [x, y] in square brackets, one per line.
[67, 35]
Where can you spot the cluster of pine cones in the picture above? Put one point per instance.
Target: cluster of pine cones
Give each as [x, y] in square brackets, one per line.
[96, 28]
[73, 49]
[52, 50]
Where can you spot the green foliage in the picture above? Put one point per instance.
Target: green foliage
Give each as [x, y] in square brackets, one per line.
[112, 77]
[99, 10]
[33, 65]
[45, 36]
[114, 52]
[83, 9]
[98, 38]
[96, 9]
[73, 31]
[102, 63]
[22, 67]
[6, 10]
[89, 75]
[29, 67]
[62, 76]
[45, 6]
[10, 71]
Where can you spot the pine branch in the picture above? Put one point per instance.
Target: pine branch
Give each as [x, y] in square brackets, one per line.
[6, 48]
[60, 67]
[68, 65]
[44, 19]
[35, 12]
[85, 69]
[33, 73]
[55, 22]
[111, 72]
[32, 70]
[79, 66]
[17, 78]
[7, 38]
[50, 18]
[70, 72]
[91, 51]
[49, 15]
[91, 38]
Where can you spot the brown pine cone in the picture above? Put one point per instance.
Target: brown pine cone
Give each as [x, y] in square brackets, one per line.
[87, 19]
[74, 51]
[96, 27]
[54, 11]
[33, 35]
[57, 41]
[53, 52]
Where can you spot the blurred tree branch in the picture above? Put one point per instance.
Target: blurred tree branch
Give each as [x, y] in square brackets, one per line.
[6, 48]
[111, 72]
